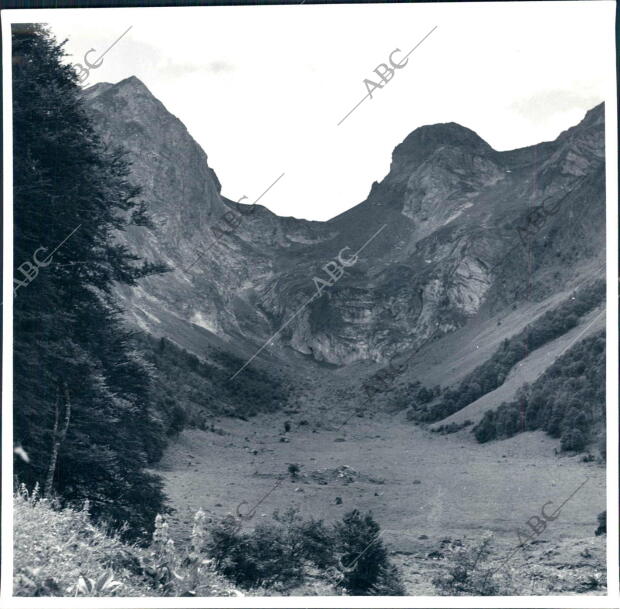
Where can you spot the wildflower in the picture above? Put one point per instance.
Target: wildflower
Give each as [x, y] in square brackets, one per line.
[198, 532]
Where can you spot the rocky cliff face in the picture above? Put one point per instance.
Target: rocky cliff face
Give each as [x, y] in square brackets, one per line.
[458, 227]
[221, 251]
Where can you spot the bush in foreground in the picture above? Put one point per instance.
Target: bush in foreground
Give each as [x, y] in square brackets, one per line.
[60, 552]
[469, 573]
[365, 562]
[348, 557]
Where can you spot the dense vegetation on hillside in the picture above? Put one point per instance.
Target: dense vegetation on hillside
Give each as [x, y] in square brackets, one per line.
[567, 401]
[189, 391]
[493, 372]
[81, 392]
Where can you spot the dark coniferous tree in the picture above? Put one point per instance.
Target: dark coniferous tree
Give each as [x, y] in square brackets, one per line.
[366, 567]
[73, 193]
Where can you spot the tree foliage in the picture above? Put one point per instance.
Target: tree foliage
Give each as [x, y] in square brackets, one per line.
[567, 401]
[187, 391]
[364, 557]
[280, 553]
[73, 193]
[490, 375]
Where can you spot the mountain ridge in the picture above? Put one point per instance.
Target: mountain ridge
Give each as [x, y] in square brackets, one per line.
[447, 205]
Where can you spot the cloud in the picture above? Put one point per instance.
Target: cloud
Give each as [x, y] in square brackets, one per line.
[179, 70]
[219, 66]
[547, 104]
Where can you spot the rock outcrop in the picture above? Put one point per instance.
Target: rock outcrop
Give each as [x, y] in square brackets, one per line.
[459, 230]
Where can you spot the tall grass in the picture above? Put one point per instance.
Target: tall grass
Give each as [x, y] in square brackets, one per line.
[59, 552]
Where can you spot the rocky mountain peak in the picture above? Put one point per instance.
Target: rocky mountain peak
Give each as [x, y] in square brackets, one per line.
[169, 164]
[434, 161]
[129, 89]
[594, 116]
[445, 206]
[420, 144]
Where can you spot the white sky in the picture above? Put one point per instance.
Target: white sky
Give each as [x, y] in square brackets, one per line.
[262, 88]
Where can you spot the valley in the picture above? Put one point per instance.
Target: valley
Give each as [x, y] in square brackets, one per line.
[406, 399]
[431, 493]
[446, 283]
[422, 487]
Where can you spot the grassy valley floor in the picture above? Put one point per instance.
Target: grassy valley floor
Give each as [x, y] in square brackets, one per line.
[429, 492]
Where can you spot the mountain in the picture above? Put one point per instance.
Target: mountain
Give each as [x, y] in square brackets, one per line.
[456, 233]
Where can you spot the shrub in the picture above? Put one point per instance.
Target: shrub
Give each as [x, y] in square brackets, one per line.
[388, 583]
[485, 430]
[453, 427]
[267, 556]
[573, 439]
[178, 420]
[185, 571]
[290, 552]
[467, 575]
[602, 524]
[364, 560]
[317, 543]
